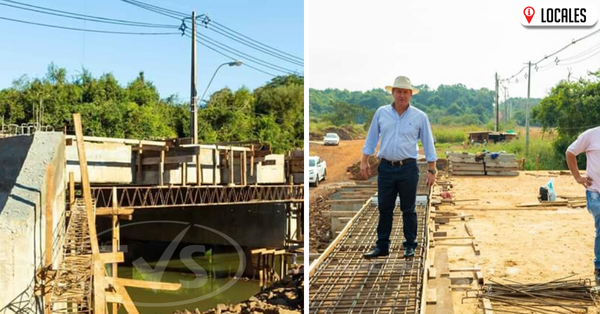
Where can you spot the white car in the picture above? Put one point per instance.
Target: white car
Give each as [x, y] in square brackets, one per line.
[317, 170]
[331, 139]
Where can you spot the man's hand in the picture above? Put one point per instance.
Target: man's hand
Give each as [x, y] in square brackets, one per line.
[365, 169]
[430, 179]
[585, 181]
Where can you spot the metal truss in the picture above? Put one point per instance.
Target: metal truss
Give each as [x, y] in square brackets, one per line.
[180, 196]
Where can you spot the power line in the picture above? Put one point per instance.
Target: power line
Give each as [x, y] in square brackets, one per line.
[81, 29]
[156, 9]
[242, 54]
[230, 57]
[43, 10]
[574, 41]
[255, 44]
[256, 41]
[256, 47]
[570, 44]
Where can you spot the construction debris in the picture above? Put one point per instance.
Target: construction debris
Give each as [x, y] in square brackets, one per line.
[482, 164]
[284, 297]
[557, 296]
[320, 225]
[354, 170]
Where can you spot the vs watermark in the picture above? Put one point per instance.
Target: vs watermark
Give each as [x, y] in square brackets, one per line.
[557, 14]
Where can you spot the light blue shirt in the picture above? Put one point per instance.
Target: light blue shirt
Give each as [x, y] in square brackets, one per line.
[400, 134]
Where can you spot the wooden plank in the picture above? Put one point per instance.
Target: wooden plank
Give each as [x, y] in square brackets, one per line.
[139, 177]
[343, 201]
[214, 151]
[184, 174]
[199, 177]
[127, 302]
[452, 238]
[230, 163]
[107, 211]
[113, 297]
[468, 229]
[98, 271]
[167, 160]
[487, 306]
[114, 257]
[431, 273]
[161, 168]
[167, 286]
[115, 140]
[115, 242]
[431, 296]
[476, 248]
[49, 212]
[71, 190]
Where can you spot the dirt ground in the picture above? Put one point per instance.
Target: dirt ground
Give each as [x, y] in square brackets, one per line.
[522, 244]
[525, 245]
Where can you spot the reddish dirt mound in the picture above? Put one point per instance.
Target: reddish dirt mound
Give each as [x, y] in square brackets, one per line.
[354, 170]
[320, 226]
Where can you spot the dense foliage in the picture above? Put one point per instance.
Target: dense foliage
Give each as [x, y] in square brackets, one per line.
[446, 105]
[273, 113]
[571, 108]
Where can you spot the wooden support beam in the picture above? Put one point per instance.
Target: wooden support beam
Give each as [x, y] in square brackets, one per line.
[48, 234]
[98, 270]
[126, 217]
[114, 257]
[214, 168]
[71, 190]
[184, 174]
[139, 177]
[252, 160]
[167, 286]
[161, 169]
[231, 167]
[115, 241]
[198, 168]
[106, 211]
[244, 170]
[487, 306]
[115, 140]
[126, 300]
[113, 297]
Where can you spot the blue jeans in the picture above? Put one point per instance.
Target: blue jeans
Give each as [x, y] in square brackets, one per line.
[593, 206]
[391, 182]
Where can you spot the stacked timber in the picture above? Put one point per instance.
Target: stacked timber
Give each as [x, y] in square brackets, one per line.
[503, 165]
[464, 164]
[467, 164]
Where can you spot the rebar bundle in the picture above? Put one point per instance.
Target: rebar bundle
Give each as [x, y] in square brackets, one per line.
[557, 296]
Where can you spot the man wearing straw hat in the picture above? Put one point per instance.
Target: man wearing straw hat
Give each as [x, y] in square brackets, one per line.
[399, 126]
[589, 143]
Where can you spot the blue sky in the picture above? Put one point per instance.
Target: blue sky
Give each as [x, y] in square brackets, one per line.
[165, 60]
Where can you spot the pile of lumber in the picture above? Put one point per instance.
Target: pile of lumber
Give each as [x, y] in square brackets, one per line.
[466, 164]
[563, 201]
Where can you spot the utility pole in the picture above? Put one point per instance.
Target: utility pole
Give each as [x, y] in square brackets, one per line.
[505, 106]
[193, 107]
[527, 112]
[496, 126]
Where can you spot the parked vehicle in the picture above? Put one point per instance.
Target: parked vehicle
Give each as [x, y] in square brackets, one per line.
[331, 139]
[317, 170]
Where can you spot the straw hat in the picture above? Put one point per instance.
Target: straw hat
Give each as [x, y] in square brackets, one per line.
[402, 82]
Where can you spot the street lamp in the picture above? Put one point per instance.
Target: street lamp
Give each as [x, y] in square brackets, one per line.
[231, 64]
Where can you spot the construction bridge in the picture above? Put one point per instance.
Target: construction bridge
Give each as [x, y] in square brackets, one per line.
[342, 281]
[118, 179]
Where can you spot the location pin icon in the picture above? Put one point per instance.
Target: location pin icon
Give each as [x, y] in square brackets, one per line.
[529, 12]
